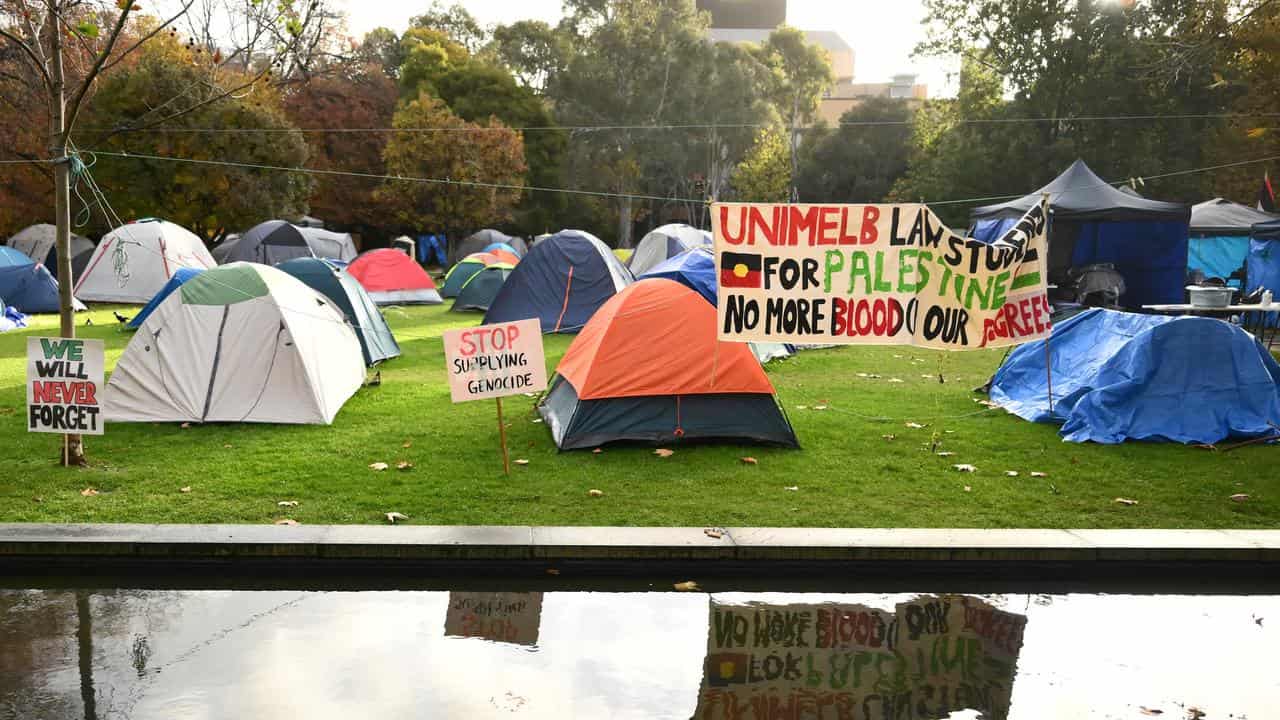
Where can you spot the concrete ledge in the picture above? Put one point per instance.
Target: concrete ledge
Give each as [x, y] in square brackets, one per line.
[623, 546]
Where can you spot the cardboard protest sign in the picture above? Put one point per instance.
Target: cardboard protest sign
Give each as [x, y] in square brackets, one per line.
[498, 616]
[64, 386]
[876, 274]
[494, 361]
[931, 656]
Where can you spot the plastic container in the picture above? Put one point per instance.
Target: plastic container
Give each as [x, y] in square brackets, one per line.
[1210, 297]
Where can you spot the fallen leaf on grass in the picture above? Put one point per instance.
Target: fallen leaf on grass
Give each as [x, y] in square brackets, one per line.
[968, 489]
[392, 517]
[595, 493]
[895, 380]
[287, 503]
[407, 444]
[404, 465]
[750, 461]
[39, 499]
[286, 521]
[819, 407]
[888, 437]
[863, 375]
[986, 403]
[88, 492]
[521, 461]
[1054, 489]
[687, 586]
[663, 452]
[927, 377]
[949, 432]
[713, 533]
[226, 446]
[916, 426]
[597, 451]
[1149, 711]
[964, 467]
[1011, 473]
[1125, 501]
[945, 453]
[378, 466]
[1035, 473]
[184, 426]
[792, 488]
[1240, 497]
[186, 489]
[537, 421]
[552, 571]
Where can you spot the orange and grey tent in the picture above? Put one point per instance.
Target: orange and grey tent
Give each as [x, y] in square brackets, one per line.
[648, 368]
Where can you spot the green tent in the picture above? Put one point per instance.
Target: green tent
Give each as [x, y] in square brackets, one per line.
[376, 341]
[478, 293]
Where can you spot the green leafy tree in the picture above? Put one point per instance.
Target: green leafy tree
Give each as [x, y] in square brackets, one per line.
[859, 161]
[455, 22]
[799, 73]
[490, 155]
[765, 174]
[426, 55]
[381, 48]
[208, 199]
[532, 50]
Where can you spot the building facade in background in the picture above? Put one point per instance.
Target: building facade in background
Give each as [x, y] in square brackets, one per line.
[751, 21]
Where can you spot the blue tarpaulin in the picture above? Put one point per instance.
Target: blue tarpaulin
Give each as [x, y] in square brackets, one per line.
[1218, 256]
[1152, 257]
[694, 268]
[27, 285]
[10, 318]
[1119, 376]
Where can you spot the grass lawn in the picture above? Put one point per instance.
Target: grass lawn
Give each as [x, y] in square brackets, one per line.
[847, 474]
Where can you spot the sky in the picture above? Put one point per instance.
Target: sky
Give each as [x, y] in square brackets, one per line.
[882, 33]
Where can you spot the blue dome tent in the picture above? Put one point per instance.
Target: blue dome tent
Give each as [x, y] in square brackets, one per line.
[180, 276]
[1220, 233]
[1093, 222]
[562, 281]
[502, 246]
[28, 285]
[1120, 376]
[1263, 265]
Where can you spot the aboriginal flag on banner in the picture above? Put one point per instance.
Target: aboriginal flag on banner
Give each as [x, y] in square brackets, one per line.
[739, 270]
[1266, 195]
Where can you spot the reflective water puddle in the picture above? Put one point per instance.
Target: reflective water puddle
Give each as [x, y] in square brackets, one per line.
[179, 655]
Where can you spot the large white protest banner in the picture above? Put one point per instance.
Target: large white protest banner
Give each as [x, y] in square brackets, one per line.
[64, 385]
[876, 274]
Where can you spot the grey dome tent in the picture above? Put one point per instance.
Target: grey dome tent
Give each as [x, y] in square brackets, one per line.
[275, 241]
[376, 341]
[38, 242]
[477, 242]
[1093, 222]
[1220, 232]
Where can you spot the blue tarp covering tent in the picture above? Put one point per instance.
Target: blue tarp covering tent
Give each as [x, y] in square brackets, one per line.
[1264, 263]
[179, 277]
[1094, 222]
[1220, 232]
[562, 281]
[1120, 376]
[27, 285]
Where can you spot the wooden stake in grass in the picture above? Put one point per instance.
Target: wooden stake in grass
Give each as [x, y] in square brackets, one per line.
[502, 439]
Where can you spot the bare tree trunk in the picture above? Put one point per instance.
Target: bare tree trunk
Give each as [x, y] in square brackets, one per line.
[624, 222]
[74, 444]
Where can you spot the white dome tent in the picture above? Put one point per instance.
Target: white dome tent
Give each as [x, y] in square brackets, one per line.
[134, 261]
[239, 343]
[665, 242]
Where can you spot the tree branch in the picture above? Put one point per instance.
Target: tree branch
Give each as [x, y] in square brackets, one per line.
[186, 7]
[31, 55]
[87, 82]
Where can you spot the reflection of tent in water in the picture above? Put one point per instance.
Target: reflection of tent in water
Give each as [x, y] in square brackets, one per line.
[1094, 223]
[239, 343]
[376, 341]
[852, 654]
[648, 368]
[1220, 232]
[1119, 376]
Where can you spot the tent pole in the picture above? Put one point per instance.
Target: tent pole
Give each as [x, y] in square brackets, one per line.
[1048, 357]
[502, 438]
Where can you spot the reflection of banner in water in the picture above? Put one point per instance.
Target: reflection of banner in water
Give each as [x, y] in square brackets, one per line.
[498, 616]
[932, 656]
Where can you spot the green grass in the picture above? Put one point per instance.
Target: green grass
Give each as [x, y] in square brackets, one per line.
[847, 473]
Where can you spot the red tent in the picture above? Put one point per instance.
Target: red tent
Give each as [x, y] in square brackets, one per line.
[393, 278]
